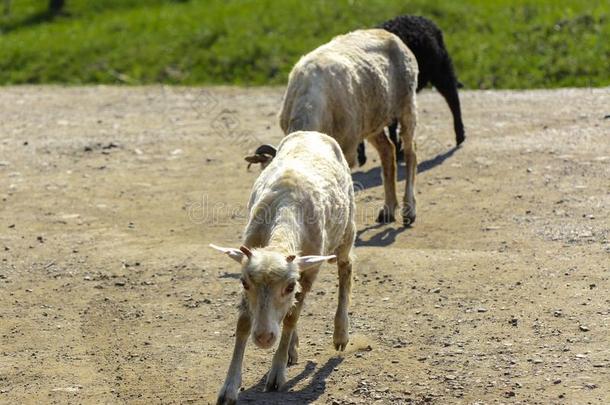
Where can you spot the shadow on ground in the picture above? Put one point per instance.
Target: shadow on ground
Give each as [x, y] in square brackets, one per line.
[39, 18]
[372, 177]
[306, 395]
[384, 237]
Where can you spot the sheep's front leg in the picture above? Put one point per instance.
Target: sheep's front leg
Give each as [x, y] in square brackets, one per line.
[293, 353]
[277, 375]
[228, 392]
[341, 334]
[387, 154]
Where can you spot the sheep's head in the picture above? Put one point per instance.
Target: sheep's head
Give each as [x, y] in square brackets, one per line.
[270, 281]
[264, 154]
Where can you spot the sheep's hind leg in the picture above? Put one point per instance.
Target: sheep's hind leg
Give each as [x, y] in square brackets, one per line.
[341, 333]
[387, 154]
[230, 389]
[344, 265]
[395, 138]
[407, 133]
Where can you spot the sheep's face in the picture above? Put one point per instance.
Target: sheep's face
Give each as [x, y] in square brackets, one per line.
[271, 282]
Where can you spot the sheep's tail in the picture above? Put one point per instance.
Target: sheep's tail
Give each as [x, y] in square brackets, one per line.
[303, 104]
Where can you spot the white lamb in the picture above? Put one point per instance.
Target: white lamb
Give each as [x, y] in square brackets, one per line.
[301, 213]
[351, 89]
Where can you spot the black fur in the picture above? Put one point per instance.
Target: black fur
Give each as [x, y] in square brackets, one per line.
[425, 40]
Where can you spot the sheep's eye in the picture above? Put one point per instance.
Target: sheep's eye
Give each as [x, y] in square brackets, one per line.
[245, 284]
[290, 288]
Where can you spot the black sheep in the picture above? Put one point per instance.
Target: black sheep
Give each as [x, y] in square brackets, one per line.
[425, 40]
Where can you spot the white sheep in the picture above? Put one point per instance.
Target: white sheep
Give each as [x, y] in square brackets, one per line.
[351, 89]
[301, 213]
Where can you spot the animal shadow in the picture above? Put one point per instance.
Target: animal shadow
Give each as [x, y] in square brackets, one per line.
[306, 395]
[385, 237]
[372, 178]
[234, 276]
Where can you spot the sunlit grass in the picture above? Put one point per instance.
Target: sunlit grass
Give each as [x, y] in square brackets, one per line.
[494, 44]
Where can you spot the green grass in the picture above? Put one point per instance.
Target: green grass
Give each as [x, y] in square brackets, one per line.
[494, 44]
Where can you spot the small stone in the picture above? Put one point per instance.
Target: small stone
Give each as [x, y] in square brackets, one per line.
[481, 309]
[557, 381]
[583, 328]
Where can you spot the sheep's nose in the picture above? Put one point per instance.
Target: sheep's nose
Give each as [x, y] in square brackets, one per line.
[264, 338]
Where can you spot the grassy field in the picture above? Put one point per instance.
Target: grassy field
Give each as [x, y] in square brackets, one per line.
[495, 43]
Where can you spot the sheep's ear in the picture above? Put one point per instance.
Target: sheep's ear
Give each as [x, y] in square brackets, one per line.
[306, 262]
[235, 254]
[246, 251]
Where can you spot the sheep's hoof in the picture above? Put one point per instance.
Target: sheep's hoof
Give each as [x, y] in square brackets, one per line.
[340, 346]
[227, 396]
[340, 338]
[459, 138]
[361, 160]
[361, 154]
[293, 352]
[385, 216]
[408, 217]
[293, 356]
[275, 380]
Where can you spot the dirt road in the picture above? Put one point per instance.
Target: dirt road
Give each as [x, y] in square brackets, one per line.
[109, 293]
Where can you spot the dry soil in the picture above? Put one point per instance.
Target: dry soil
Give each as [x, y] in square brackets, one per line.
[109, 197]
